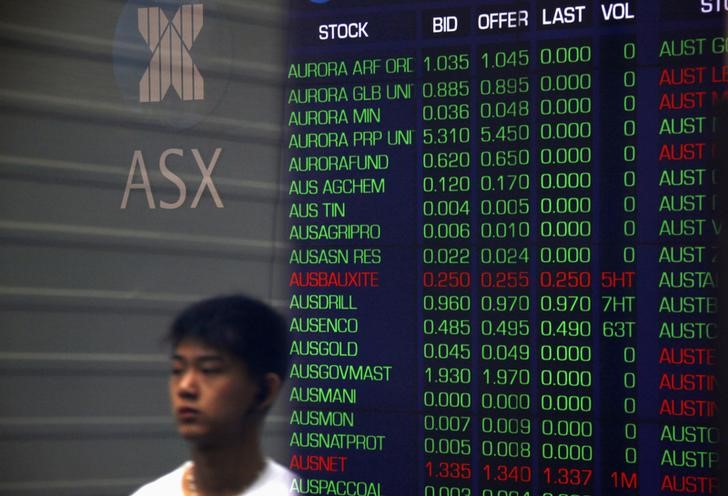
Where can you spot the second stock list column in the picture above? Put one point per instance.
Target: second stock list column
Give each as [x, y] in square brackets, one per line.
[691, 80]
[351, 161]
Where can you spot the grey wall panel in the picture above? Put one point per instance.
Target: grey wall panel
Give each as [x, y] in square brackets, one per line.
[86, 287]
[81, 389]
[153, 273]
[69, 331]
[99, 207]
[33, 147]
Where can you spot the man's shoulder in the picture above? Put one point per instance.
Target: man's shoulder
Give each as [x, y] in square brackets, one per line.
[275, 479]
[168, 485]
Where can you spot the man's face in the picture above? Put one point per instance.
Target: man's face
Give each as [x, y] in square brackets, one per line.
[213, 396]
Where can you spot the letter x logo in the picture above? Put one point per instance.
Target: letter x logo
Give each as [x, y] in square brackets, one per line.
[170, 44]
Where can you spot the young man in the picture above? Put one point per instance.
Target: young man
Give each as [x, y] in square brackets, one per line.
[228, 364]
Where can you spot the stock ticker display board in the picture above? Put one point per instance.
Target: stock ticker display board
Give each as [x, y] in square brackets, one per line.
[503, 258]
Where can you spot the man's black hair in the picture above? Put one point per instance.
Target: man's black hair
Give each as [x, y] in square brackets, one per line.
[248, 329]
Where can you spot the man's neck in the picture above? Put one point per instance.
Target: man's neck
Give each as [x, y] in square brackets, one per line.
[226, 469]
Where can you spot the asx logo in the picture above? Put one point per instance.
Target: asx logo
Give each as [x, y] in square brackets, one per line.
[170, 42]
[139, 168]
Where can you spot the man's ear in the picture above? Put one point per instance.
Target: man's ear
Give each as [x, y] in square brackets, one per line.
[270, 386]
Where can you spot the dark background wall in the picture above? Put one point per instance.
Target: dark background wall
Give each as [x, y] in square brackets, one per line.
[87, 287]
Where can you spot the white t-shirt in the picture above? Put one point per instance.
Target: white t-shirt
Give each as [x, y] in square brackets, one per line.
[274, 480]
